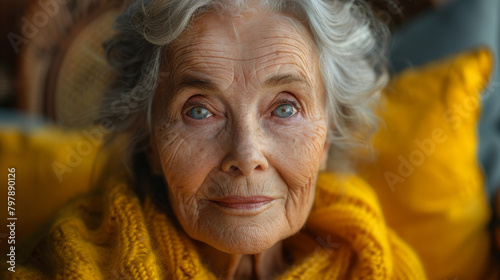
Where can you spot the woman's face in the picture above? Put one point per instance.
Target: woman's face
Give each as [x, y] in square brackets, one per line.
[239, 129]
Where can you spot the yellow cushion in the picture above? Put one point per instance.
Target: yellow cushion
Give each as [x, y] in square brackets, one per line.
[51, 166]
[426, 173]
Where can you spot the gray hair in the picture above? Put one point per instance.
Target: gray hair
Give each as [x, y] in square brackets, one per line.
[351, 44]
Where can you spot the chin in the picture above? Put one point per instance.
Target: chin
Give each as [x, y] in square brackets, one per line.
[244, 244]
[241, 232]
[244, 238]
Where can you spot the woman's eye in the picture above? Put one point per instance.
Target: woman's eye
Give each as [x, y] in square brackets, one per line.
[284, 111]
[199, 113]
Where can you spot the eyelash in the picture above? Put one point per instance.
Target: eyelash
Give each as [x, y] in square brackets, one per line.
[191, 104]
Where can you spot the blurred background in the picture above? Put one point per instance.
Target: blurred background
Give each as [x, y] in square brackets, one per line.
[394, 12]
[52, 68]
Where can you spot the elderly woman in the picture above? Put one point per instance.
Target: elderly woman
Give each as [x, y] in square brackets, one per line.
[234, 108]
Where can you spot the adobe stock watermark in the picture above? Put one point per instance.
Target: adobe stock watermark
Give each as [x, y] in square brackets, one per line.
[122, 107]
[30, 26]
[393, 8]
[416, 158]
[93, 137]
[325, 248]
[454, 116]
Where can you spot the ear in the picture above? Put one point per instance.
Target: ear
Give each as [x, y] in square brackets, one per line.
[324, 156]
[154, 158]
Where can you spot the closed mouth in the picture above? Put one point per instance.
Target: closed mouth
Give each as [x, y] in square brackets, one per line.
[243, 203]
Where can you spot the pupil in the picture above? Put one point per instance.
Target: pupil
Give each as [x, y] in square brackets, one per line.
[199, 113]
[284, 111]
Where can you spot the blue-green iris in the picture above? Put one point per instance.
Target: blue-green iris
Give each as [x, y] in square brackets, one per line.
[199, 113]
[284, 111]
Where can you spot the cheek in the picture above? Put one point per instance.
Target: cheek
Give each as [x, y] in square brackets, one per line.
[185, 156]
[297, 152]
[297, 157]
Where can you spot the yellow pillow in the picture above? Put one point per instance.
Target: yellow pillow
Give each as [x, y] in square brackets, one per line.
[427, 174]
[52, 166]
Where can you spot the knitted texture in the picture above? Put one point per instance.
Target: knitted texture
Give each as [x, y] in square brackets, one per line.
[113, 236]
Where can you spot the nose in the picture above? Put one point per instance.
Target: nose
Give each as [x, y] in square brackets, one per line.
[245, 152]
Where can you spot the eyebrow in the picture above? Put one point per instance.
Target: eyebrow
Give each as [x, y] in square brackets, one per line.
[284, 79]
[274, 81]
[195, 82]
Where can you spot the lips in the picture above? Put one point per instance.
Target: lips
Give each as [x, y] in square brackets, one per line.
[241, 202]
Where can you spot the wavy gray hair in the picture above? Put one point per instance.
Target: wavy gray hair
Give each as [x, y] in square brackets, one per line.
[351, 44]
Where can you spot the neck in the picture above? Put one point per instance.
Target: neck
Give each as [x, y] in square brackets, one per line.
[264, 265]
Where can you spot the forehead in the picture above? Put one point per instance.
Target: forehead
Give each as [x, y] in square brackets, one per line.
[257, 43]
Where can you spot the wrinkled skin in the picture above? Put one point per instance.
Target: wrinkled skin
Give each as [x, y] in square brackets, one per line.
[241, 114]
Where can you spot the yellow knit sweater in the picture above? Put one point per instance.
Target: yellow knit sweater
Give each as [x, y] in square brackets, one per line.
[114, 236]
